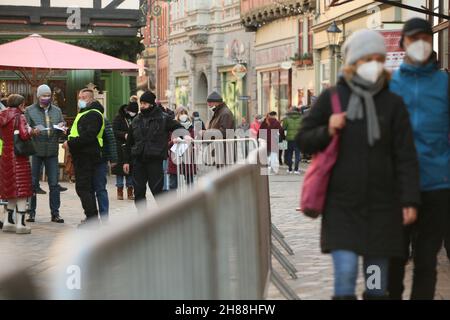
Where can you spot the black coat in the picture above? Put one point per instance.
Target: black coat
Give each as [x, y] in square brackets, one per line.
[86, 145]
[148, 136]
[121, 124]
[369, 185]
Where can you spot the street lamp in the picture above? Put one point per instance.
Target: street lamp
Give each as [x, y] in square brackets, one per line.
[334, 36]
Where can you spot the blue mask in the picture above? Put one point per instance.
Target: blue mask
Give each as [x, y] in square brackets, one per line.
[82, 104]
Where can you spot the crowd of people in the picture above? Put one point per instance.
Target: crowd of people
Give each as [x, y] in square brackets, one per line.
[135, 145]
[388, 197]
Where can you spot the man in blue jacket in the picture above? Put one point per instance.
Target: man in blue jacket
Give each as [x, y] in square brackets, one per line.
[424, 89]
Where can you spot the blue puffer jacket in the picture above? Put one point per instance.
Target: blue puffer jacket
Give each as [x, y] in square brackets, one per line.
[425, 92]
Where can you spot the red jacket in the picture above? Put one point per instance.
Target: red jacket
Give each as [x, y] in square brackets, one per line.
[15, 171]
[268, 125]
[254, 128]
[186, 168]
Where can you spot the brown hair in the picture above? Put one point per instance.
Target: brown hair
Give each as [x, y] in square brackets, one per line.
[15, 100]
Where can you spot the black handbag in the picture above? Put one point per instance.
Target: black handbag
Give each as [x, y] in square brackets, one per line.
[21, 147]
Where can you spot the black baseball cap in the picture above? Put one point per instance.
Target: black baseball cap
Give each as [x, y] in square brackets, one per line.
[414, 26]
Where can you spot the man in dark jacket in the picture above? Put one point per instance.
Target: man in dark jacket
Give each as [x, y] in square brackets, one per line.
[424, 89]
[121, 125]
[109, 154]
[85, 144]
[48, 121]
[221, 122]
[222, 119]
[147, 147]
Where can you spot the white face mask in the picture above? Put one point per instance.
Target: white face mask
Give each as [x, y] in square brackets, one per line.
[132, 114]
[419, 51]
[185, 121]
[370, 71]
[184, 118]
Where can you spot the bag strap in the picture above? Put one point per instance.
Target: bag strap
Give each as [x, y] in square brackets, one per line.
[335, 101]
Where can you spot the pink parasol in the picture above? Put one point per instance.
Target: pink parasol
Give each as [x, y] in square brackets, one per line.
[35, 53]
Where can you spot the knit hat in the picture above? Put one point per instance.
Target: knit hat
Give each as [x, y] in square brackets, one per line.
[133, 107]
[149, 97]
[363, 43]
[214, 97]
[42, 90]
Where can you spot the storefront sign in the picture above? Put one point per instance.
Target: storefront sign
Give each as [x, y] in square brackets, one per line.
[274, 55]
[239, 71]
[395, 54]
[286, 65]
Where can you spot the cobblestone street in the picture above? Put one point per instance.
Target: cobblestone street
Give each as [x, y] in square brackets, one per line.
[315, 275]
[315, 272]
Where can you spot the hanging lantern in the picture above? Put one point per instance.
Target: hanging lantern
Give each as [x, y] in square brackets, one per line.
[239, 71]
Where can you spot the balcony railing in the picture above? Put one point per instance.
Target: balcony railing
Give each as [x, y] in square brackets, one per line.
[255, 13]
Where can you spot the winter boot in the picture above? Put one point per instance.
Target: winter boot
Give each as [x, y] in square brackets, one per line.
[120, 193]
[130, 193]
[21, 228]
[8, 223]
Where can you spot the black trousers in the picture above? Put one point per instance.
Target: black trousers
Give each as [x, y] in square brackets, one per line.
[84, 175]
[425, 238]
[145, 173]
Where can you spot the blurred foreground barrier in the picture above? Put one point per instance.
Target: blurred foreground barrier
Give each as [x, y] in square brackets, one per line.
[213, 243]
[16, 284]
[202, 157]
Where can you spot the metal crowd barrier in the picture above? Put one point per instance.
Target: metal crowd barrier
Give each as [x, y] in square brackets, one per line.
[213, 243]
[201, 157]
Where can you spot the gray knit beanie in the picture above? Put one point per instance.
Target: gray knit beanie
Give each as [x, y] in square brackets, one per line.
[363, 43]
[43, 89]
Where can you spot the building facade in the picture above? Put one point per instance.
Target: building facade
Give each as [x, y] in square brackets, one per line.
[283, 52]
[102, 25]
[206, 43]
[352, 16]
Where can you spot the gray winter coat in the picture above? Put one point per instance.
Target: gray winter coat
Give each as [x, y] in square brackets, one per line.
[46, 142]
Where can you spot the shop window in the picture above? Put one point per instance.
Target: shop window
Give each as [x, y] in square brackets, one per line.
[276, 91]
[324, 75]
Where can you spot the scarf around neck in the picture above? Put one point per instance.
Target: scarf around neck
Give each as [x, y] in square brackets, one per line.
[362, 97]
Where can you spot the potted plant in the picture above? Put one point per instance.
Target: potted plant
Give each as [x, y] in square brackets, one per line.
[297, 58]
[307, 59]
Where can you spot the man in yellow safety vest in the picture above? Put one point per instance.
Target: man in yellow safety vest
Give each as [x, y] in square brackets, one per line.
[85, 143]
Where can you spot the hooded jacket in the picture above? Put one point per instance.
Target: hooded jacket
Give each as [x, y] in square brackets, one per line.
[15, 171]
[425, 92]
[291, 124]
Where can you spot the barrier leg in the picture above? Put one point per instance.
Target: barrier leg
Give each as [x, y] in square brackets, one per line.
[277, 231]
[283, 287]
[287, 265]
[283, 243]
